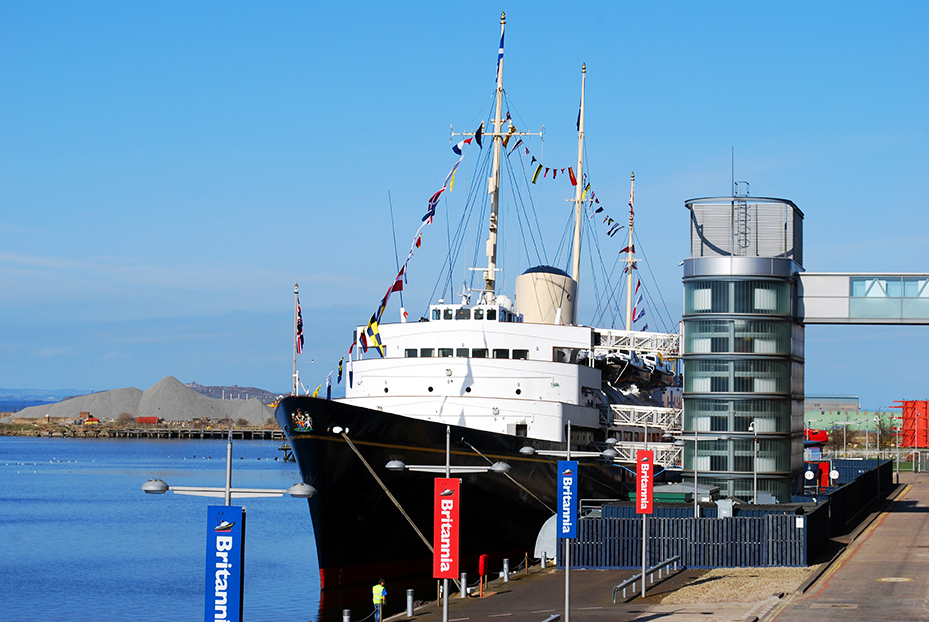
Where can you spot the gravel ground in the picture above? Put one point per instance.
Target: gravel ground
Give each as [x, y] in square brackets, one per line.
[739, 585]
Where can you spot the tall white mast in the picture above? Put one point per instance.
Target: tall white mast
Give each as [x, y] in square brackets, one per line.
[490, 276]
[630, 262]
[579, 189]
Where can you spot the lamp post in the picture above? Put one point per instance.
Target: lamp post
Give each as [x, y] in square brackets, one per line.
[754, 429]
[844, 430]
[877, 422]
[608, 453]
[447, 470]
[159, 487]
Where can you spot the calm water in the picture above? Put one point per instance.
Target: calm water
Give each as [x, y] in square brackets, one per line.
[80, 541]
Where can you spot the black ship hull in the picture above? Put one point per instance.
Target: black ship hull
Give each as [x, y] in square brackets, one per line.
[360, 533]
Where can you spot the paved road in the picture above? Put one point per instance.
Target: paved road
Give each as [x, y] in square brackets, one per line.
[883, 575]
[541, 594]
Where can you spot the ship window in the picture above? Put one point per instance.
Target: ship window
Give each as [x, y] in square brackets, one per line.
[448, 314]
[521, 354]
[479, 353]
[461, 352]
[491, 314]
[501, 353]
[522, 429]
[445, 352]
[463, 314]
[426, 352]
[436, 314]
[478, 314]
[411, 353]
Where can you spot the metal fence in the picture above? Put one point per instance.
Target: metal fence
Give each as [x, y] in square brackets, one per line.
[771, 540]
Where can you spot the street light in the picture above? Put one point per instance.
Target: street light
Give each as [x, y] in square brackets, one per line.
[696, 440]
[844, 429]
[608, 453]
[754, 429]
[877, 421]
[448, 469]
[159, 487]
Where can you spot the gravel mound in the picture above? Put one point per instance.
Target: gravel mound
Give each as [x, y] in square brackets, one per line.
[169, 399]
[739, 585]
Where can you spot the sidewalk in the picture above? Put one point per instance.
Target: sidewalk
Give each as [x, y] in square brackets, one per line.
[882, 574]
[541, 595]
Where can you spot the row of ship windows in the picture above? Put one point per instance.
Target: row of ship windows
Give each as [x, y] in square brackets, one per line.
[479, 314]
[477, 353]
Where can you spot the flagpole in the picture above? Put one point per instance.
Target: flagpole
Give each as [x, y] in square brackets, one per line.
[629, 260]
[578, 190]
[296, 305]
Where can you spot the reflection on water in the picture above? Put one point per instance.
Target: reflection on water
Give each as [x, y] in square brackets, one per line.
[81, 541]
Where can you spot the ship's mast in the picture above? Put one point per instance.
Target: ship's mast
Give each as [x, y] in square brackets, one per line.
[630, 261]
[579, 189]
[499, 138]
[296, 336]
[490, 276]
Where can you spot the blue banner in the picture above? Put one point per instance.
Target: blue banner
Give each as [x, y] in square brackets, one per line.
[225, 563]
[567, 498]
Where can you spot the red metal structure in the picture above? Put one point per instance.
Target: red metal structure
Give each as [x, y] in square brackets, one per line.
[914, 429]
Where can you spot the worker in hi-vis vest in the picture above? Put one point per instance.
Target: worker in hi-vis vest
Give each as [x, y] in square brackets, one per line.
[379, 592]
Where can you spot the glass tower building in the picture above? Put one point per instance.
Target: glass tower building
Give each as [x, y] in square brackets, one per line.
[742, 347]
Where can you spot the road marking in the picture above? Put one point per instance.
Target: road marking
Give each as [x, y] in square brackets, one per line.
[895, 579]
[499, 615]
[833, 606]
[544, 610]
[588, 608]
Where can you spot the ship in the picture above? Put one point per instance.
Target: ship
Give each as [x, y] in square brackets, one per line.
[474, 383]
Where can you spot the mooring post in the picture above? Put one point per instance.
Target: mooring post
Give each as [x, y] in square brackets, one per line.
[346, 615]
[506, 570]
[544, 560]
[464, 585]
[409, 603]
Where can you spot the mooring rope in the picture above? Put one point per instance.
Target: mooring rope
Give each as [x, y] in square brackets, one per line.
[389, 496]
[527, 491]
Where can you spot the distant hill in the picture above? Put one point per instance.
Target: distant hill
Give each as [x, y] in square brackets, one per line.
[235, 392]
[169, 399]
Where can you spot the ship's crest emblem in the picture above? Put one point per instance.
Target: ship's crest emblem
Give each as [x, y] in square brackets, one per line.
[447, 492]
[301, 421]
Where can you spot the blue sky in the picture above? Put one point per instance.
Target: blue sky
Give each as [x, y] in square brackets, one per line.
[169, 170]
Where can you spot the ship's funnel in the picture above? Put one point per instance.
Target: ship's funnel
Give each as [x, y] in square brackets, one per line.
[545, 295]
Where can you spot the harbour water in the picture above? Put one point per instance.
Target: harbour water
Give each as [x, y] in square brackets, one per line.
[80, 541]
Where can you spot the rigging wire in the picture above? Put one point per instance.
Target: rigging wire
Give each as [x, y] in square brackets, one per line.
[393, 228]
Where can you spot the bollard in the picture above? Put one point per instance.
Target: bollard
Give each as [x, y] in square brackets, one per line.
[346, 615]
[409, 603]
[464, 585]
[544, 560]
[506, 570]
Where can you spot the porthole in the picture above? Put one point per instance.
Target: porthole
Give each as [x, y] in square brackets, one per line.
[519, 391]
[385, 389]
[467, 389]
[430, 389]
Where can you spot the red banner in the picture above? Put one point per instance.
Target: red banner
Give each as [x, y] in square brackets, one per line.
[445, 533]
[645, 466]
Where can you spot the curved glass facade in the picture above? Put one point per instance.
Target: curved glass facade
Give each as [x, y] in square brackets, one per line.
[743, 378]
[737, 336]
[737, 296]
